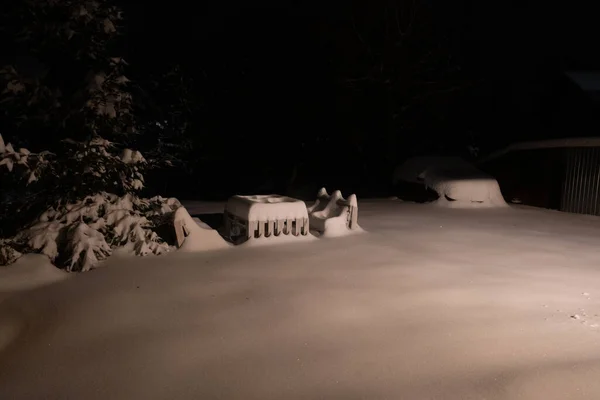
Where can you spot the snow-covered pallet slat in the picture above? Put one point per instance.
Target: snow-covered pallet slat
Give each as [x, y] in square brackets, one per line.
[264, 216]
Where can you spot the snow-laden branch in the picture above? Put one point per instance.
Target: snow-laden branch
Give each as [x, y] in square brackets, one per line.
[29, 164]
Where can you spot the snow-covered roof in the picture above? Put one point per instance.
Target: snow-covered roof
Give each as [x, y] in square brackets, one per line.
[545, 144]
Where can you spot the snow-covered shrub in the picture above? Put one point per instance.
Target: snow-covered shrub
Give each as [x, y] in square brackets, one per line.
[8, 253]
[85, 169]
[79, 235]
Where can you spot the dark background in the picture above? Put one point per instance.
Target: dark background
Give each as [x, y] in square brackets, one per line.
[298, 95]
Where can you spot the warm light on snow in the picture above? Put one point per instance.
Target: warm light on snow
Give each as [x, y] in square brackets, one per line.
[432, 303]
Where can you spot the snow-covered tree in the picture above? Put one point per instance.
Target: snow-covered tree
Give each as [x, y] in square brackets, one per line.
[66, 94]
[66, 90]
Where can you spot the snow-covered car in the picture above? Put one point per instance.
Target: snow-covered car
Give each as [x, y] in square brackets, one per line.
[450, 181]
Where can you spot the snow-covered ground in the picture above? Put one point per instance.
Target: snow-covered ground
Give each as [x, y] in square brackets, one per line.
[432, 303]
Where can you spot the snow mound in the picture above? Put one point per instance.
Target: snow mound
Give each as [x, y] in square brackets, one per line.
[194, 235]
[457, 183]
[333, 215]
[28, 272]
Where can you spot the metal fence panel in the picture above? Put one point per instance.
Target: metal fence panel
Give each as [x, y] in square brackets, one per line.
[581, 188]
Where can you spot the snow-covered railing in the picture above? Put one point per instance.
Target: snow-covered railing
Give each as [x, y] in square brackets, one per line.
[264, 216]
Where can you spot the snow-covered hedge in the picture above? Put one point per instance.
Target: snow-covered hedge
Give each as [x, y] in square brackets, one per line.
[77, 236]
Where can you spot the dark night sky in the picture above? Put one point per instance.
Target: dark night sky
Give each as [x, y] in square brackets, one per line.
[270, 70]
[268, 43]
[499, 31]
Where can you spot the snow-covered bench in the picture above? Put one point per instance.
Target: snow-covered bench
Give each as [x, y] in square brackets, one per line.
[264, 216]
[333, 214]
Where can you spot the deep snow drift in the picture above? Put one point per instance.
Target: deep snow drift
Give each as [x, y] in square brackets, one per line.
[28, 272]
[432, 303]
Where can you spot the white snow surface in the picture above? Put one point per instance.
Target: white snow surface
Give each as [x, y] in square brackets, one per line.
[433, 303]
[28, 272]
[266, 207]
[458, 183]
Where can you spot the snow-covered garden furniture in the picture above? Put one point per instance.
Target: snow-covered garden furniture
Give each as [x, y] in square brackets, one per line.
[194, 235]
[264, 216]
[333, 215]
